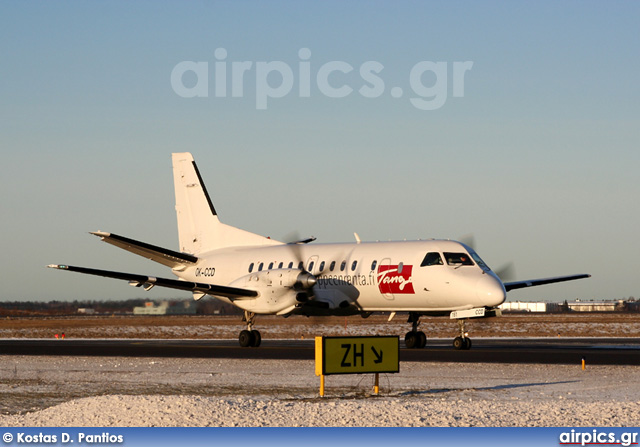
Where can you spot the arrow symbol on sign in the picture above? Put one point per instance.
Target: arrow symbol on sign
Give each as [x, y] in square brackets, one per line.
[378, 356]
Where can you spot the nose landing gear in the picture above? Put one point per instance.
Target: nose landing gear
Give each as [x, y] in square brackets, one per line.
[462, 341]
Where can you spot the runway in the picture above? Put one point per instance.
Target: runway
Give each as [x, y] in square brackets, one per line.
[596, 351]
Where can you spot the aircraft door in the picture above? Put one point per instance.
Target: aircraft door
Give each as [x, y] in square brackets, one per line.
[382, 270]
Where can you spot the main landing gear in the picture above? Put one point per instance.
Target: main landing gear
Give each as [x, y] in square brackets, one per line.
[415, 338]
[249, 337]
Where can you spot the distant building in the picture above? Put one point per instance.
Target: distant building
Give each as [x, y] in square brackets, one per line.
[164, 308]
[522, 306]
[597, 306]
[86, 311]
[182, 308]
[633, 306]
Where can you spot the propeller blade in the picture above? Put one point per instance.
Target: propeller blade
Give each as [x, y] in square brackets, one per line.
[468, 239]
[506, 272]
[294, 238]
[291, 237]
[306, 279]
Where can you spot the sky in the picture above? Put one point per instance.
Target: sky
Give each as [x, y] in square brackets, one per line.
[516, 122]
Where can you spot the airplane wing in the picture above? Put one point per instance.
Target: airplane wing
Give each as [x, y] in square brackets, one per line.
[161, 255]
[539, 282]
[233, 293]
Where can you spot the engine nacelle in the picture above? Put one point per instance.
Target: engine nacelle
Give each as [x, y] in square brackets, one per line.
[283, 278]
[280, 290]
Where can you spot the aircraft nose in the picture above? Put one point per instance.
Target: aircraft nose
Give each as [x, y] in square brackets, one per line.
[490, 291]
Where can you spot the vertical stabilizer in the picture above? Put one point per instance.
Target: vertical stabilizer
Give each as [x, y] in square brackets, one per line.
[199, 228]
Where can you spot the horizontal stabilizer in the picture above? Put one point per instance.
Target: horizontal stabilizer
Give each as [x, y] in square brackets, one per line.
[539, 282]
[232, 293]
[161, 255]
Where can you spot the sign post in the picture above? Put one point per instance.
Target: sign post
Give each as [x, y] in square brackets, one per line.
[356, 355]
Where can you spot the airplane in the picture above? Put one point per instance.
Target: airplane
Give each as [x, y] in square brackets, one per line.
[263, 276]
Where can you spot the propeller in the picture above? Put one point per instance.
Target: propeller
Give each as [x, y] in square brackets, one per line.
[468, 239]
[295, 243]
[306, 280]
[506, 272]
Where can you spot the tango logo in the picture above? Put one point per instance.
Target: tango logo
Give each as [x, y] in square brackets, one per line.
[395, 279]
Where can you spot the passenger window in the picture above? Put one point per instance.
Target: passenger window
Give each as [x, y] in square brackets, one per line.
[300, 266]
[310, 266]
[291, 265]
[373, 265]
[270, 265]
[332, 266]
[280, 265]
[251, 268]
[260, 266]
[432, 258]
[458, 259]
[321, 267]
[343, 265]
[400, 267]
[353, 265]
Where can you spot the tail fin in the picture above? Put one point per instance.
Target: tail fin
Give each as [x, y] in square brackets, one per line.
[199, 228]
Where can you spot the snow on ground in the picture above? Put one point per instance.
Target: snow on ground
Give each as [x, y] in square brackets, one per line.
[227, 327]
[109, 391]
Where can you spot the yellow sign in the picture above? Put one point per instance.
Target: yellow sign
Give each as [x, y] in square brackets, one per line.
[357, 355]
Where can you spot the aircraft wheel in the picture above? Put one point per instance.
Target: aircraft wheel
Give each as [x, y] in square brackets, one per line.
[245, 338]
[410, 340]
[421, 339]
[458, 343]
[467, 343]
[256, 338]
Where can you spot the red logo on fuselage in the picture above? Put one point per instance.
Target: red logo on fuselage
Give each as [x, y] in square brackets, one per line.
[392, 281]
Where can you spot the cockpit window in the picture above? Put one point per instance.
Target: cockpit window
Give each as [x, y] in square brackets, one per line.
[432, 258]
[479, 261]
[458, 259]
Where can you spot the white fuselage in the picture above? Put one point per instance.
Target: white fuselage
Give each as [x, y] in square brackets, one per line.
[368, 277]
[264, 276]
